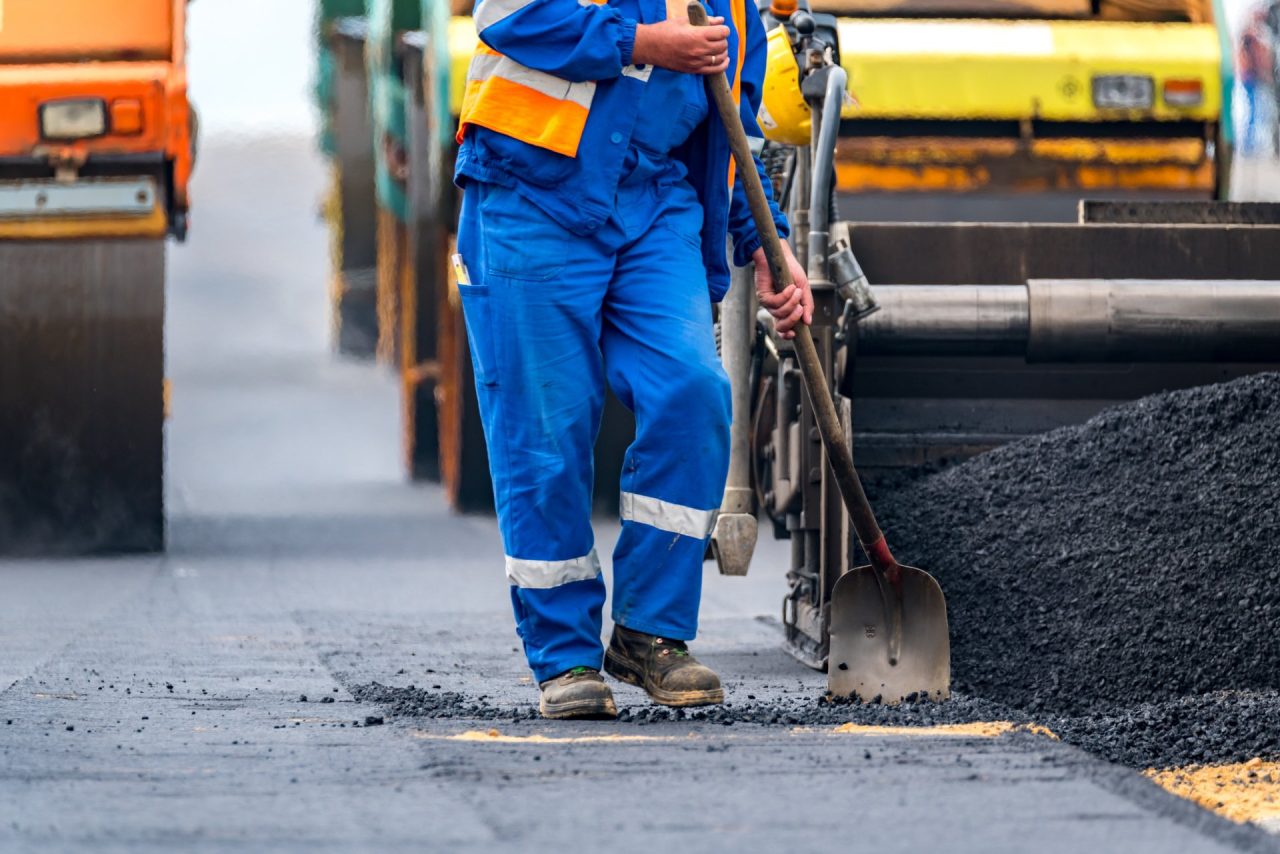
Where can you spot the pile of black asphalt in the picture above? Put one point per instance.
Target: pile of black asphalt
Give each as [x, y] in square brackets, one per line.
[1117, 581]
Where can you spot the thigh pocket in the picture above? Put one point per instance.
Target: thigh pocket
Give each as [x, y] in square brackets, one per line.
[477, 310]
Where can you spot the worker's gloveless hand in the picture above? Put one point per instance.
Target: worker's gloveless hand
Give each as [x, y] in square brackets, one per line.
[677, 45]
[793, 305]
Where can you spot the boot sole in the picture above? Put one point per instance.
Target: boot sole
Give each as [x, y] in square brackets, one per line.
[602, 709]
[620, 669]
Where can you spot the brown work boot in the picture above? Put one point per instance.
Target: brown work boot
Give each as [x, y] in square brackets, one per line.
[577, 693]
[662, 667]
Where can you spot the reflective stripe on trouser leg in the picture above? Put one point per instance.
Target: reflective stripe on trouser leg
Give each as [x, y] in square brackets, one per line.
[532, 312]
[660, 351]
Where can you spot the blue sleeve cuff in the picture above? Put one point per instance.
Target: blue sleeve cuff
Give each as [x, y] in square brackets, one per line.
[627, 40]
[744, 249]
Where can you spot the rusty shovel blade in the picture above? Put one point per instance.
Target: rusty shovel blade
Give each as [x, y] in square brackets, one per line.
[889, 641]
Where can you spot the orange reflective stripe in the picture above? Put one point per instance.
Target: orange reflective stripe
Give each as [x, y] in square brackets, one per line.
[739, 11]
[740, 27]
[523, 113]
[529, 105]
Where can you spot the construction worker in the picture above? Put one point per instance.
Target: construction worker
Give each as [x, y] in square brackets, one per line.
[598, 195]
[1255, 68]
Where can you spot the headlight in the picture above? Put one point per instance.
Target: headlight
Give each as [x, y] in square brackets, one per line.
[73, 119]
[1123, 92]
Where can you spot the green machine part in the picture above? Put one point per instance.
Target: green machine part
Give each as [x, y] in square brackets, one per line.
[328, 11]
[387, 20]
[435, 25]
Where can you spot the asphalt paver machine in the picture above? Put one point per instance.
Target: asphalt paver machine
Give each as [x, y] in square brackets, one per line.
[944, 340]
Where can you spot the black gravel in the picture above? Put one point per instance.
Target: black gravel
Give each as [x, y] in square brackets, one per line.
[1227, 726]
[1130, 559]
[415, 702]
[1116, 581]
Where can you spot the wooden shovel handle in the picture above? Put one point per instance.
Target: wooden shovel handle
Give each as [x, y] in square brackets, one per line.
[838, 453]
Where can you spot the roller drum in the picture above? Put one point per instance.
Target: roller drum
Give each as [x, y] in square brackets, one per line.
[946, 320]
[1133, 320]
[81, 396]
[1085, 320]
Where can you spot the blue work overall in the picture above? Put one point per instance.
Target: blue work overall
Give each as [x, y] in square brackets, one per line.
[552, 315]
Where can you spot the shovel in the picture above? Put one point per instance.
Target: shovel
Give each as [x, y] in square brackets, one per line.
[888, 623]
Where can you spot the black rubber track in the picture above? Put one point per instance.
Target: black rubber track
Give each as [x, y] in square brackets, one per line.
[81, 396]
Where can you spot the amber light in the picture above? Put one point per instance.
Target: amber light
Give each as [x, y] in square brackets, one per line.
[782, 8]
[1183, 93]
[126, 116]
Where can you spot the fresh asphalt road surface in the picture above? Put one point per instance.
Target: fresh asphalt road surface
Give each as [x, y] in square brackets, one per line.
[156, 703]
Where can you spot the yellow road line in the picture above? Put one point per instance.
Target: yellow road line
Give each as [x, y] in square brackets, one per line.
[1243, 792]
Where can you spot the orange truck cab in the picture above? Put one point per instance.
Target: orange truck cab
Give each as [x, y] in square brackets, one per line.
[96, 133]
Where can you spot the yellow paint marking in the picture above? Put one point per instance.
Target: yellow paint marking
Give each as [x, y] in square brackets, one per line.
[980, 729]
[1243, 792]
[494, 737]
[153, 224]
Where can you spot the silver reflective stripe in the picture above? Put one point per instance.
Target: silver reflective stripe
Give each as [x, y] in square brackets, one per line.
[493, 11]
[552, 573]
[640, 73]
[486, 65]
[756, 143]
[483, 65]
[665, 516]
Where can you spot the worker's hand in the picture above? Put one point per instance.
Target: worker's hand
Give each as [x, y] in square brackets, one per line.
[680, 46]
[793, 305]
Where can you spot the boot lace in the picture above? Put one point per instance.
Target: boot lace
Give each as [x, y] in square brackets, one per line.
[671, 647]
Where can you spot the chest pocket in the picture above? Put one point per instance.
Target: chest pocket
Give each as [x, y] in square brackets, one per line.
[674, 104]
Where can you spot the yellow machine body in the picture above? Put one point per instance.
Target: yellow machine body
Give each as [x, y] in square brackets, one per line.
[968, 105]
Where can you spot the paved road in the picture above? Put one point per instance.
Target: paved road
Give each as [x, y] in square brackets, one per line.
[156, 703]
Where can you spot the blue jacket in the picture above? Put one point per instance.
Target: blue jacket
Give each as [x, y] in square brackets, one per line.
[576, 43]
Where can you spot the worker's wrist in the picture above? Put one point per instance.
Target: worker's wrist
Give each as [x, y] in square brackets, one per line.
[646, 51]
[627, 41]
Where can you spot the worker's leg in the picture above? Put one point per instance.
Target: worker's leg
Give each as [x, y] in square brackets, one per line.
[661, 360]
[533, 318]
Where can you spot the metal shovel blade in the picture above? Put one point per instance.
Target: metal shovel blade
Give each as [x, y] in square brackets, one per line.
[889, 641]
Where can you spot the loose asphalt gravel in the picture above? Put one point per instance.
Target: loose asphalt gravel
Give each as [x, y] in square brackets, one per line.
[1114, 581]
[1129, 559]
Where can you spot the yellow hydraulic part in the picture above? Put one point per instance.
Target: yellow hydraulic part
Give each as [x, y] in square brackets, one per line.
[1003, 70]
[784, 116]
